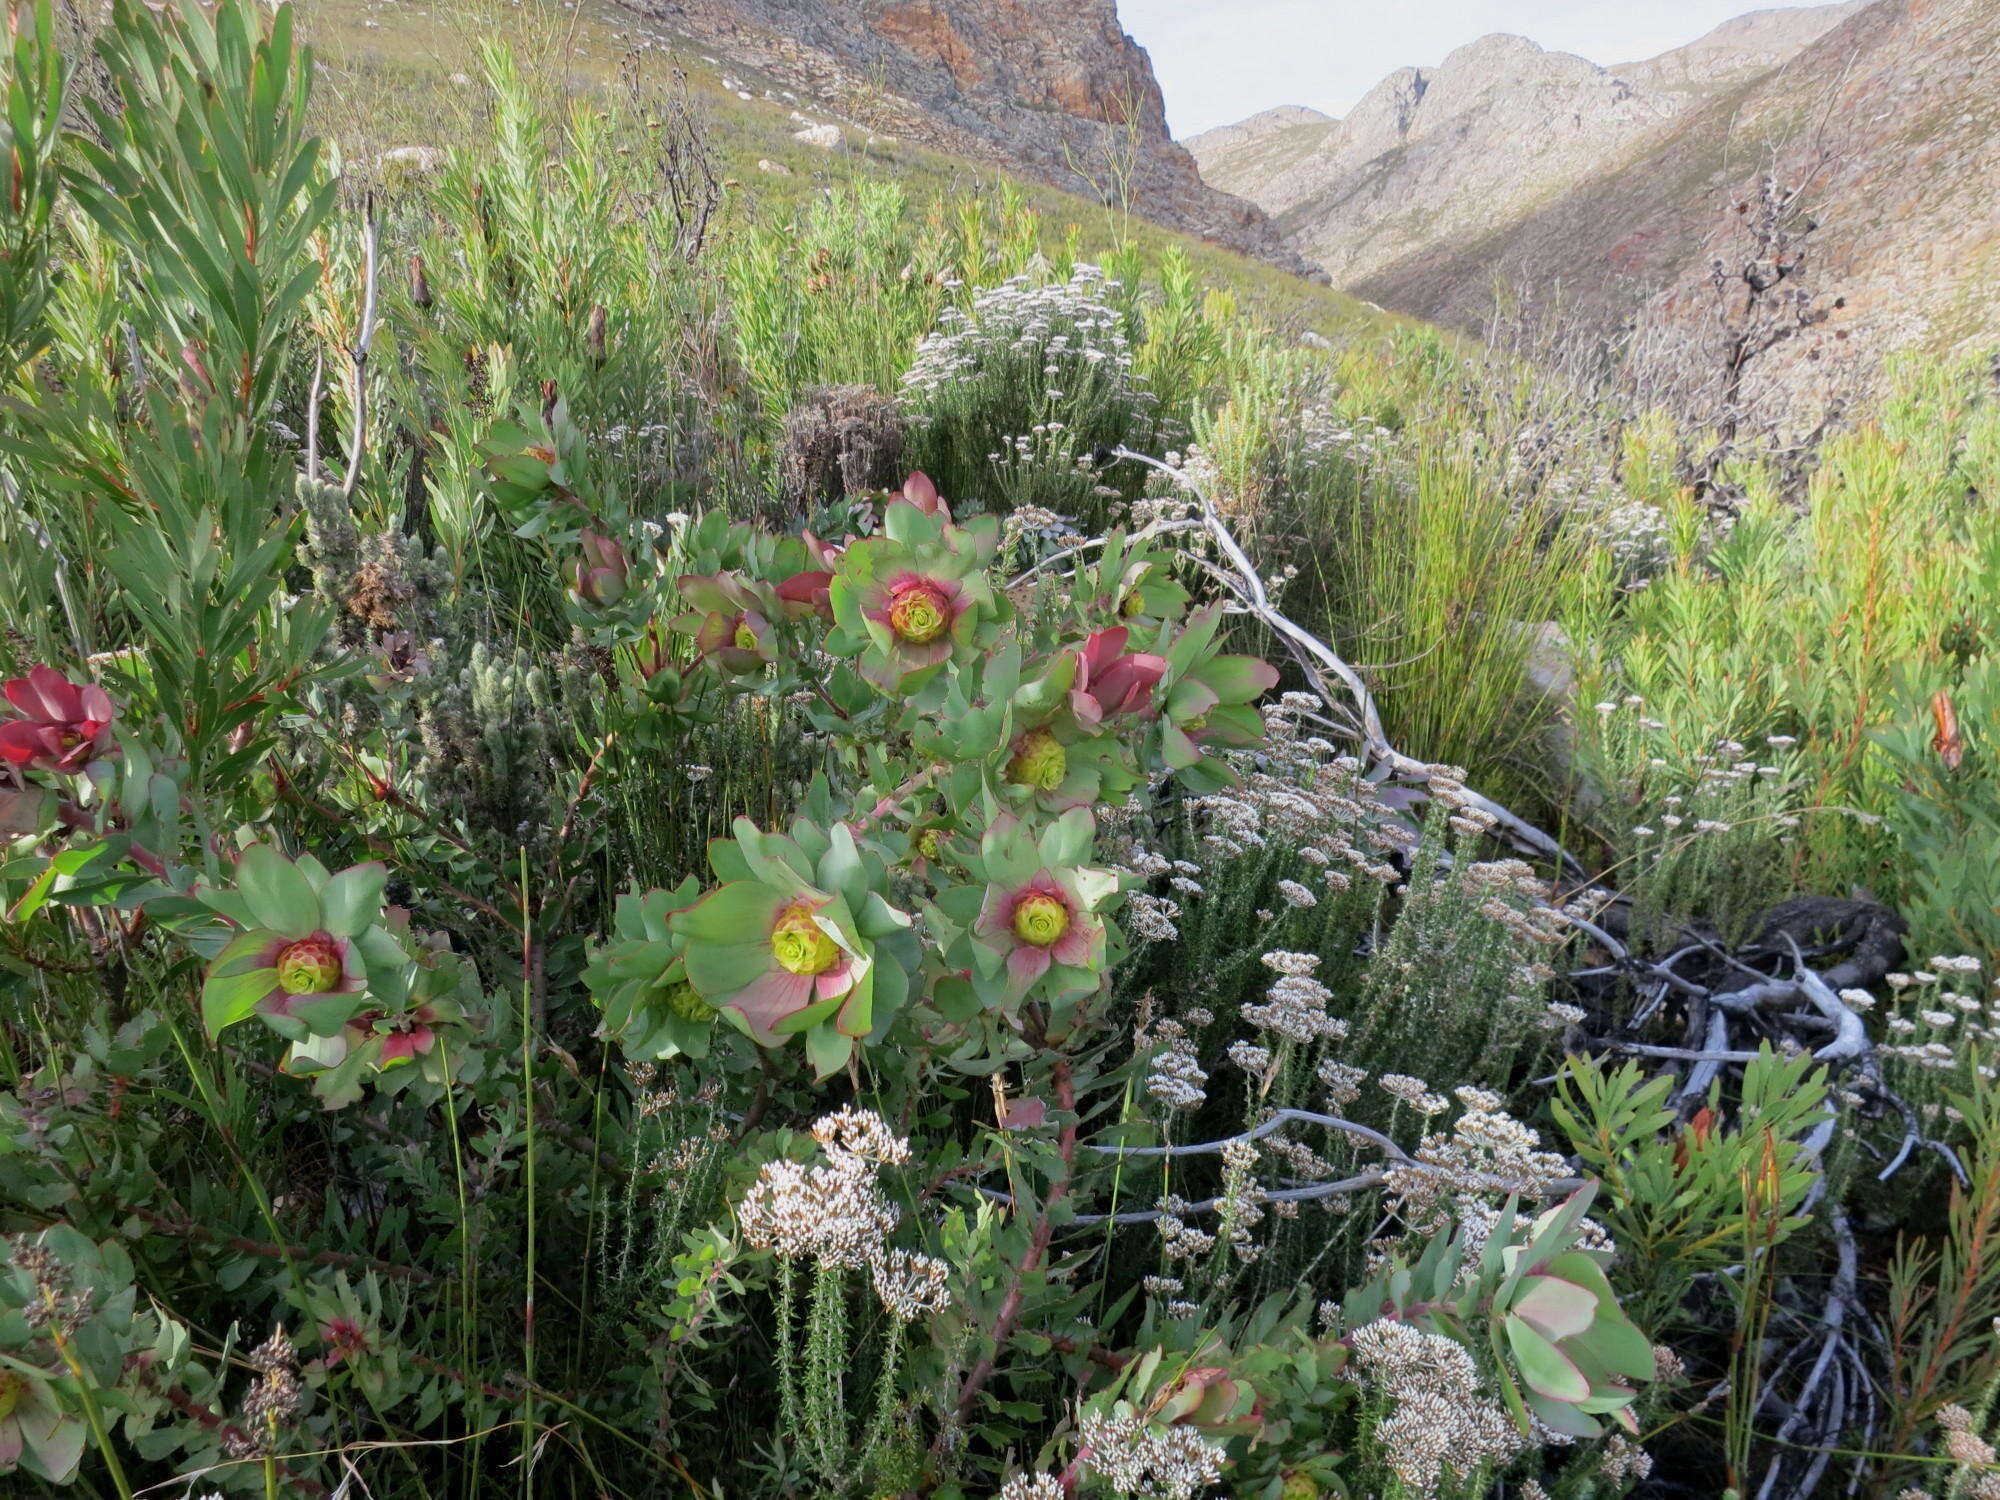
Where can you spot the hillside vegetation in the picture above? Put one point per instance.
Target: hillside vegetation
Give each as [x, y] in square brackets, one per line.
[663, 839]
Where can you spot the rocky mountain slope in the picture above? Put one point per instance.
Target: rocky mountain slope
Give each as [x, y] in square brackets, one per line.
[1431, 155]
[1054, 88]
[1614, 188]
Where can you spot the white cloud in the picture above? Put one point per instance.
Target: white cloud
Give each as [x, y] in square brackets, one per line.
[1220, 60]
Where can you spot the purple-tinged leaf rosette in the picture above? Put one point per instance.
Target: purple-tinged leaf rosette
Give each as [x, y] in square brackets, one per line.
[1049, 757]
[601, 573]
[912, 599]
[792, 942]
[731, 619]
[1053, 768]
[60, 725]
[1040, 926]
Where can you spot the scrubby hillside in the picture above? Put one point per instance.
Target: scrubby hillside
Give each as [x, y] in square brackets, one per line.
[662, 845]
[397, 78]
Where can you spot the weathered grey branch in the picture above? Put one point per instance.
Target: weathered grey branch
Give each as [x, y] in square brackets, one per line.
[1318, 660]
[357, 445]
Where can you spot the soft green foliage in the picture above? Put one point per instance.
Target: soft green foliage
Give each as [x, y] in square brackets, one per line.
[1679, 1193]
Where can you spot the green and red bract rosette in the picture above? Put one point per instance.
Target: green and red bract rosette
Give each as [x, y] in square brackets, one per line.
[790, 944]
[301, 956]
[319, 960]
[916, 597]
[1040, 926]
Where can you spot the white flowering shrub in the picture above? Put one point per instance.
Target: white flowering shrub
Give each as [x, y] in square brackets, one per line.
[1023, 385]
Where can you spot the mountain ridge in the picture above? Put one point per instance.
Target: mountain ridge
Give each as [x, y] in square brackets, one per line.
[1619, 186]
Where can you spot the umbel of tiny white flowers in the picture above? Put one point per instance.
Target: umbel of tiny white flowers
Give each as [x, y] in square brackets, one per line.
[839, 1215]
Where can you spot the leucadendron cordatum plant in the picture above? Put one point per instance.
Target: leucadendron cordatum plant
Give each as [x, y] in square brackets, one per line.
[515, 977]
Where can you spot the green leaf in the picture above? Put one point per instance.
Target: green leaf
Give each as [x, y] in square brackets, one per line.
[352, 900]
[1563, 1417]
[230, 998]
[277, 892]
[1545, 1367]
[1238, 679]
[829, 1050]
[740, 912]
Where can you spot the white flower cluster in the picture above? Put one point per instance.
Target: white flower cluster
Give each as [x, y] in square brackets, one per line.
[1180, 1240]
[1032, 1487]
[1936, 1023]
[1414, 1092]
[1458, 1177]
[1178, 1079]
[1443, 1422]
[1064, 329]
[1343, 1083]
[1302, 792]
[838, 1213]
[1295, 1006]
[1152, 917]
[1139, 1457]
[911, 1285]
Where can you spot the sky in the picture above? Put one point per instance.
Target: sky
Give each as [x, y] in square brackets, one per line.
[1220, 60]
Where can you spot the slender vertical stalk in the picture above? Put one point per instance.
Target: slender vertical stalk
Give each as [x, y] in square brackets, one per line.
[528, 1170]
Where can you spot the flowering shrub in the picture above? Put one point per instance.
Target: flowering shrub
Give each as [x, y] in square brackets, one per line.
[1027, 381]
[899, 1000]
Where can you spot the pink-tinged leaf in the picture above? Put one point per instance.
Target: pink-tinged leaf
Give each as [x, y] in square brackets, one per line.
[769, 999]
[1025, 1114]
[1025, 965]
[1558, 1309]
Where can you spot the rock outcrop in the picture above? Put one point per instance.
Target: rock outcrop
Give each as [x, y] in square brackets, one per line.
[1053, 88]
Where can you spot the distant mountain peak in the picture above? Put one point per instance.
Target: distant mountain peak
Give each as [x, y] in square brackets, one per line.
[1509, 164]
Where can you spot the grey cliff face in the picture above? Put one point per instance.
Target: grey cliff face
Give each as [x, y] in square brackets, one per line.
[1054, 88]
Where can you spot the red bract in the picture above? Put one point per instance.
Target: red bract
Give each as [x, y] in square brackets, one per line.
[1110, 680]
[63, 726]
[923, 494]
[601, 574]
[408, 1035]
[806, 593]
